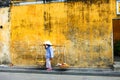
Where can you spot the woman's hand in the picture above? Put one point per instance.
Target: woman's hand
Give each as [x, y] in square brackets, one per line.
[50, 58]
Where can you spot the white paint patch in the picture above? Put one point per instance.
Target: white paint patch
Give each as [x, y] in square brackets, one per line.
[4, 36]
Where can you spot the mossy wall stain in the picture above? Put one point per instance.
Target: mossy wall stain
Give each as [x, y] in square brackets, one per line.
[82, 31]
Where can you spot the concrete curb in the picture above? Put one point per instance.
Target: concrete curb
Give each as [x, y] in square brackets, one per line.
[71, 71]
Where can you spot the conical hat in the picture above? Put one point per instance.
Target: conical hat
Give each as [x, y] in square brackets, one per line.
[48, 42]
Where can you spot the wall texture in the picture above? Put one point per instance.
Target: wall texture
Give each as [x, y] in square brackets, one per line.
[81, 32]
[4, 36]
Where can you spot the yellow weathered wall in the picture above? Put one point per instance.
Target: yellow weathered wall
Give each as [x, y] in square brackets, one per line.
[4, 36]
[82, 32]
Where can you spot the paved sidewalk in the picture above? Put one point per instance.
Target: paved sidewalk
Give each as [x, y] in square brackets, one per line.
[69, 71]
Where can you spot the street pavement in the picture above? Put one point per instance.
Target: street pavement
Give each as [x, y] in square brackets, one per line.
[35, 73]
[38, 76]
[69, 71]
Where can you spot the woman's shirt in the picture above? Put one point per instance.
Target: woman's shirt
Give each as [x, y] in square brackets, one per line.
[49, 52]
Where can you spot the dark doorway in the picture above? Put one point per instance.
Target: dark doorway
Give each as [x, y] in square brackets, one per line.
[116, 38]
[4, 3]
